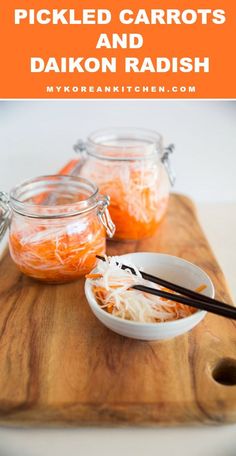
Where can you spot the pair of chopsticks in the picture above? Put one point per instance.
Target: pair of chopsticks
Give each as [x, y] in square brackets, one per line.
[184, 296]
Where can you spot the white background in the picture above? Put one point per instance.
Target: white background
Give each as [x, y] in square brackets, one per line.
[37, 138]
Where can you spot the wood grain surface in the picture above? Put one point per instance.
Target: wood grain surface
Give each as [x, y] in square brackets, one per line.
[60, 366]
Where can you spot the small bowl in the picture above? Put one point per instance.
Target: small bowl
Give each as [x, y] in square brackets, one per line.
[167, 267]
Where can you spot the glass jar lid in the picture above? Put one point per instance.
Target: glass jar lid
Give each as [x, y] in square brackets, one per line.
[124, 144]
[54, 196]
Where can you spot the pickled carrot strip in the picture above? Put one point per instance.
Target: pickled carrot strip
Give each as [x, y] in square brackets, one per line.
[93, 276]
[114, 293]
[136, 204]
[69, 167]
[57, 255]
[200, 288]
[142, 219]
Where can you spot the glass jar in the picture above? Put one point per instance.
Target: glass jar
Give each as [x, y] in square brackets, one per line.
[58, 225]
[132, 167]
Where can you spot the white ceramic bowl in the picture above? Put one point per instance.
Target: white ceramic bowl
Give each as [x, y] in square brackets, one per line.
[167, 267]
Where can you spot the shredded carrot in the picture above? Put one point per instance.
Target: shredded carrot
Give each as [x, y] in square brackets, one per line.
[112, 287]
[93, 276]
[57, 253]
[201, 288]
[138, 195]
[69, 167]
[136, 221]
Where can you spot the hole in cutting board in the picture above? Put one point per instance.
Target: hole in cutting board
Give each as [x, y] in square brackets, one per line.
[225, 372]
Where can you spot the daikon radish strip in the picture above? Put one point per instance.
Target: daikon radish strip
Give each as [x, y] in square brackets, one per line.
[112, 287]
[57, 254]
[138, 196]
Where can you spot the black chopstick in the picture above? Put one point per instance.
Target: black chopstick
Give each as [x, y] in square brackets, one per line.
[224, 310]
[172, 286]
[196, 299]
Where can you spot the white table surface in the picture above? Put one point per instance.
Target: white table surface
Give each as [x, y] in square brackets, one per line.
[218, 218]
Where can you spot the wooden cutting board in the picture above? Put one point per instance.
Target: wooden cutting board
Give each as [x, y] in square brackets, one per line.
[59, 365]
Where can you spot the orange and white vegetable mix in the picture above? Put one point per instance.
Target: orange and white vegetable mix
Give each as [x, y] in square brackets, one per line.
[138, 195]
[56, 250]
[113, 290]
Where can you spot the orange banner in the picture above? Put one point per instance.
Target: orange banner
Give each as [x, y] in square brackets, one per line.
[123, 49]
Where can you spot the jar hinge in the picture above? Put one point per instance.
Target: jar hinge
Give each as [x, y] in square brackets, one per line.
[104, 216]
[4, 213]
[80, 146]
[167, 164]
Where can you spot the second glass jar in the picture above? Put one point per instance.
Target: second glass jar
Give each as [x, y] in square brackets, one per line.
[130, 165]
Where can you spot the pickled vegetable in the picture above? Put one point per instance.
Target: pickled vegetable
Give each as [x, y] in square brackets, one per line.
[112, 288]
[138, 197]
[57, 251]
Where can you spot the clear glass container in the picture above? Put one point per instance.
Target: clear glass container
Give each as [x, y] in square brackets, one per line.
[131, 166]
[58, 225]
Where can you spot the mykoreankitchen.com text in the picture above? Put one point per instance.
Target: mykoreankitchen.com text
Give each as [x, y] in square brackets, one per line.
[114, 89]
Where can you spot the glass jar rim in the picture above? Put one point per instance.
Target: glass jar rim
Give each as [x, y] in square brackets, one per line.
[35, 187]
[149, 140]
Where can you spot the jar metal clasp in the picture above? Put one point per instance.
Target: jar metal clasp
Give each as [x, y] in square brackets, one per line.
[80, 146]
[104, 215]
[5, 212]
[167, 163]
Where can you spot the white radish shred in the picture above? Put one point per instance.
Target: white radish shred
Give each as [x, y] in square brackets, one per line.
[112, 288]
